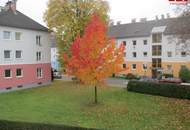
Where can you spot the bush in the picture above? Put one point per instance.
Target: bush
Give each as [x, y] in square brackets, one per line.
[132, 76]
[13, 125]
[162, 89]
[184, 74]
[168, 75]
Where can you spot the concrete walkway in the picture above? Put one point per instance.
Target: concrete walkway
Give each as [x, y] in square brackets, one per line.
[113, 82]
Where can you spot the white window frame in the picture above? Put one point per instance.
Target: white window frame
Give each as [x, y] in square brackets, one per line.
[39, 73]
[38, 40]
[146, 53]
[144, 68]
[169, 54]
[38, 56]
[16, 54]
[4, 35]
[10, 74]
[21, 73]
[20, 36]
[9, 54]
[132, 66]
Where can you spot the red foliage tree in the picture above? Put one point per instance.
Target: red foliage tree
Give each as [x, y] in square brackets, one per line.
[94, 56]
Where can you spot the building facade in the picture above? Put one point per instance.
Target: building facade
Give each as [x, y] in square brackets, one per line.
[25, 46]
[152, 47]
[54, 59]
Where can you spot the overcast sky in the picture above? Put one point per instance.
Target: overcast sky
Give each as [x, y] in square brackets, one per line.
[121, 10]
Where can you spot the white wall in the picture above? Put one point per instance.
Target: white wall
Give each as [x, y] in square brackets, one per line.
[139, 49]
[167, 45]
[27, 44]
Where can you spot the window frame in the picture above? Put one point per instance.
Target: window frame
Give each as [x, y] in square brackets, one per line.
[9, 35]
[39, 73]
[9, 54]
[157, 37]
[20, 54]
[5, 74]
[19, 76]
[134, 56]
[133, 66]
[19, 35]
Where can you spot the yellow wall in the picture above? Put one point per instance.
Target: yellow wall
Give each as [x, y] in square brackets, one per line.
[139, 68]
[176, 66]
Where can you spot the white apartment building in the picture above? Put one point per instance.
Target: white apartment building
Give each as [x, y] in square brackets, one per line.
[151, 47]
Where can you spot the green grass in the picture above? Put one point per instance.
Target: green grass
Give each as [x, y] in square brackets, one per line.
[72, 104]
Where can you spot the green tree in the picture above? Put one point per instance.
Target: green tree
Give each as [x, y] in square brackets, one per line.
[184, 74]
[67, 18]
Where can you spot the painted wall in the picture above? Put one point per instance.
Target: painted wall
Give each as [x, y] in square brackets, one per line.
[27, 44]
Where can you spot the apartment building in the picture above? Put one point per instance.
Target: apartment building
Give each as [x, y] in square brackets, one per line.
[25, 46]
[152, 46]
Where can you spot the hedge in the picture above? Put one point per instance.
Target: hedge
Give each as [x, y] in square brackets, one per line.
[161, 89]
[14, 125]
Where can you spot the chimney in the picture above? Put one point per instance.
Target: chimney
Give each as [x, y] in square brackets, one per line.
[162, 16]
[143, 20]
[11, 5]
[168, 15]
[118, 22]
[111, 22]
[133, 20]
[157, 17]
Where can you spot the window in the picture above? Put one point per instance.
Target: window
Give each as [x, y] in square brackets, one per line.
[39, 72]
[183, 54]
[156, 63]
[6, 35]
[18, 54]
[38, 56]
[18, 36]
[7, 54]
[169, 67]
[145, 54]
[124, 43]
[157, 50]
[134, 66]
[134, 42]
[124, 66]
[124, 54]
[7, 73]
[157, 38]
[145, 67]
[169, 53]
[145, 42]
[19, 72]
[38, 40]
[134, 54]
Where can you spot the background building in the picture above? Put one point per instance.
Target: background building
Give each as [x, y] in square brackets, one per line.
[151, 47]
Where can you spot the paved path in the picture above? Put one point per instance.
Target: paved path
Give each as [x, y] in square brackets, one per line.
[117, 82]
[114, 82]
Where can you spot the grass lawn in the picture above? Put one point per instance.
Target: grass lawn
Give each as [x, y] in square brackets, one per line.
[72, 104]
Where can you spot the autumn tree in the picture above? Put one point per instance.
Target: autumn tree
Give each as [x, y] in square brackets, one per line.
[67, 18]
[94, 55]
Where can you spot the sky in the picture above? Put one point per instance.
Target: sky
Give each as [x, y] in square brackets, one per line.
[120, 10]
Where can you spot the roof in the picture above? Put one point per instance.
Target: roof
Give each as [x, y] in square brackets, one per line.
[143, 29]
[19, 20]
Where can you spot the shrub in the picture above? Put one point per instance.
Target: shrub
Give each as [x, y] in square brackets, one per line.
[162, 89]
[168, 75]
[184, 74]
[131, 76]
[14, 125]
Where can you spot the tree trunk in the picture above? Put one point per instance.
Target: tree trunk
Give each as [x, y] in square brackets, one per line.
[96, 96]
